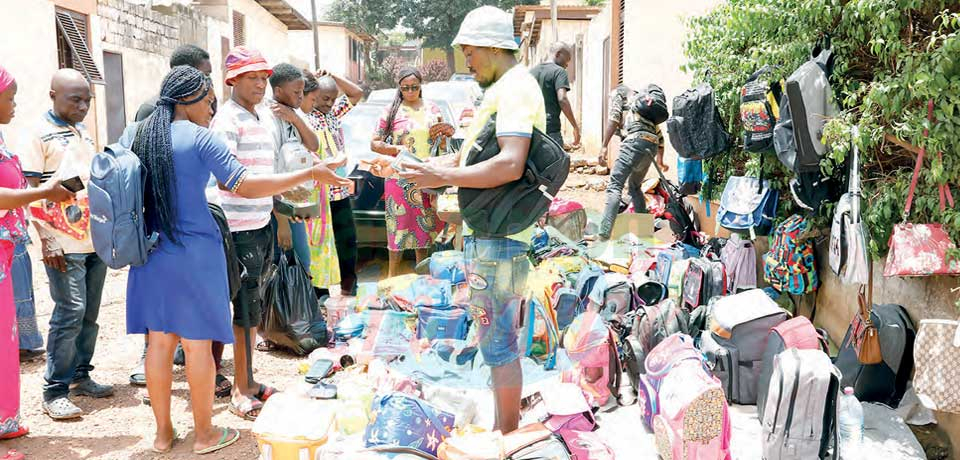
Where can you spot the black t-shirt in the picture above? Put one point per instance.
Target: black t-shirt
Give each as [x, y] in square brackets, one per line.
[551, 78]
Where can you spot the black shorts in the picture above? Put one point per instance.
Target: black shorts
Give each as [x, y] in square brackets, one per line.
[255, 253]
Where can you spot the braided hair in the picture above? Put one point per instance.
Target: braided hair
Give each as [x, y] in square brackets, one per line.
[398, 99]
[154, 146]
[310, 83]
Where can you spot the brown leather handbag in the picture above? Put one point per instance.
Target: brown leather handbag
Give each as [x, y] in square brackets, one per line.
[866, 337]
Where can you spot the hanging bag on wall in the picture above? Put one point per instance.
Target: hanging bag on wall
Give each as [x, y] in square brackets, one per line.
[848, 235]
[921, 249]
[866, 337]
[937, 355]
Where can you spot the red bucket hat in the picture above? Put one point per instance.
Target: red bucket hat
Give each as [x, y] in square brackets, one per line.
[242, 60]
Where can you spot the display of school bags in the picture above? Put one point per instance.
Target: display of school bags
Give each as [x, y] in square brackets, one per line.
[693, 421]
[800, 422]
[885, 382]
[737, 339]
[789, 266]
[796, 333]
[704, 279]
[748, 205]
[760, 109]
[695, 128]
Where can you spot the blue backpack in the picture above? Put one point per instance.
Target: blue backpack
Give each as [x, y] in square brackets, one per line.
[117, 179]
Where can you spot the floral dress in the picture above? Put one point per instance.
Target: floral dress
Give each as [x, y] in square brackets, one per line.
[13, 230]
[324, 262]
[411, 215]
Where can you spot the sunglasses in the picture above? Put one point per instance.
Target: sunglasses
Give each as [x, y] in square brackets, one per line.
[408, 89]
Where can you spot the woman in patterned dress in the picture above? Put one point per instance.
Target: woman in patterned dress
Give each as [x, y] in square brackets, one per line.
[14, 195]
[410, 124]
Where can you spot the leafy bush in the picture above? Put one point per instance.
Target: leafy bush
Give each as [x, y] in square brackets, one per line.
[891, 57]
[435, 70]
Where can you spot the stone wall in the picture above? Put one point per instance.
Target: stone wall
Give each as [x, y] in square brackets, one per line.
[137, 27]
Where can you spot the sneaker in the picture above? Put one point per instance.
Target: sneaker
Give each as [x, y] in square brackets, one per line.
[62, 409]
[92, 389]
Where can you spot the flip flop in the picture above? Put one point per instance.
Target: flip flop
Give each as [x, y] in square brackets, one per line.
[223, 387]
[138, 377]
[244, 409]
[224, 442]
[23, 431]
[265, 392]
[176, 437]
[12, 454]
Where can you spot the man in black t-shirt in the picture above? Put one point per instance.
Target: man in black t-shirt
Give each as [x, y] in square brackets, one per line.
[555, 84]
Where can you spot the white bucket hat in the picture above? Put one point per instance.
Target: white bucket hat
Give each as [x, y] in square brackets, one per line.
[487, 27]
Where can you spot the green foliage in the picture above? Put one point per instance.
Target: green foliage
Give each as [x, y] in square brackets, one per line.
[435, 70]
[372, 16]
[595, 2]
[891, 57]
[437, 21]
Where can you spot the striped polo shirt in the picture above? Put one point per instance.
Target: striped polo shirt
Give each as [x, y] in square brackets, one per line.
[250, 138]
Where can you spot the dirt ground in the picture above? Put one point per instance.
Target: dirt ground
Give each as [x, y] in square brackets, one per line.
[122, 427]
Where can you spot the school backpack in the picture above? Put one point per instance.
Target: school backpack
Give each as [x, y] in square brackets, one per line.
[117, 225]
[790, 266]
[695, 128]
[739, 256]
[651, 104]
[748, 204]
[811, 103]
[736, 340]
[568, 217]
[591, 344]
[566, 304]
[704, 279]
[442, 323]
[449, 266]
[585, 282]
[651, 326]
[796, 333]
[693, 420]
[541, 334]
[884, 382]
[674, 349]
[759, 109]
[619, 297]
[801, 417]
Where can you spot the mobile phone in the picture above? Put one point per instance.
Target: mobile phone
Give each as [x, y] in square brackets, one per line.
[318, 370]
[73, 184]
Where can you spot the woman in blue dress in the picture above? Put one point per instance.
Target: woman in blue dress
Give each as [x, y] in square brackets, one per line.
[181, 293]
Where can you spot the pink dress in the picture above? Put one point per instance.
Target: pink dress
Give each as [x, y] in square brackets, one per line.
[411, 216]
[12, 230]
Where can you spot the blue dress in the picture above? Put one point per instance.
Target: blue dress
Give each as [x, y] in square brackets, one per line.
[182, 289]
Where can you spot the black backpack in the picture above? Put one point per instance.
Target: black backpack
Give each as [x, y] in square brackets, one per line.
[651, 103]
[759, 110]
[515, 206]
[696, 131]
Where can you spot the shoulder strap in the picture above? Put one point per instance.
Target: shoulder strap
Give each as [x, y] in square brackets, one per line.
[919, 164]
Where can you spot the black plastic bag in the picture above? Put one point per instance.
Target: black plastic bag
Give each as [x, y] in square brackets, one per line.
[292, 318]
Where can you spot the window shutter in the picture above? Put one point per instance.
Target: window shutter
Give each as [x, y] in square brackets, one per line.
[239, 33]
[74, 30]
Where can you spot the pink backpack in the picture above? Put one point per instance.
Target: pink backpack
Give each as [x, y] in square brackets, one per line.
[694, 420]
[674, 349]
[571, 418]
[592, 348]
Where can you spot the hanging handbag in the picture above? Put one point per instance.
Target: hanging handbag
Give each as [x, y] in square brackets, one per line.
[921, 249]
[848, 235]
[866, 337]
[936, 354]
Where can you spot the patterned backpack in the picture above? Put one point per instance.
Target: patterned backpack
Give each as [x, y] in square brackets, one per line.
[790, 265]
[760, 110]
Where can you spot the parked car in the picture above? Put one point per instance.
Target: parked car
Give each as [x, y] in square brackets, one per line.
[462, 77]
[463, 96]
[368, 205]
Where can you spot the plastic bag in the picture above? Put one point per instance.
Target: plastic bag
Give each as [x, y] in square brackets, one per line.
[292, 318]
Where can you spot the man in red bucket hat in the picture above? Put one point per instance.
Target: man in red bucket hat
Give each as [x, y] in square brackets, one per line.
[247, 128]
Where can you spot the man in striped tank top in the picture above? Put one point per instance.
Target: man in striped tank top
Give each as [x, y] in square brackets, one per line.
[247, 127]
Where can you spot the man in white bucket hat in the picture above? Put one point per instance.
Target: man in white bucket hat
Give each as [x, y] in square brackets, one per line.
[497, 267]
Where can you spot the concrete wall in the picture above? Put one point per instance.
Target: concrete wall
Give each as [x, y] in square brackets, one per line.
[263, 31]
[591, 108]
[30, 54]
[567, 31]
[146, 39]
[334, 47]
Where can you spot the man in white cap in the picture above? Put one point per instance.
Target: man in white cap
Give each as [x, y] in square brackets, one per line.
[497, 268]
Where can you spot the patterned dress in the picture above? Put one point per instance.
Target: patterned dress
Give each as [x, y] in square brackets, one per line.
[411, 216]
[324, 263]
[13, 230]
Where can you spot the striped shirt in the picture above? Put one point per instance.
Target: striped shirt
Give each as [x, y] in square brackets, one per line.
[250, 138]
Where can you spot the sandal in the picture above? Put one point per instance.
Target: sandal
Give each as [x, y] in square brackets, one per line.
[223, 387]
[176, 437]
[23, 431]
[246, 408]
[138, 377]
[265, 392]
[225, 441]
[265, 345]
[12, 454]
